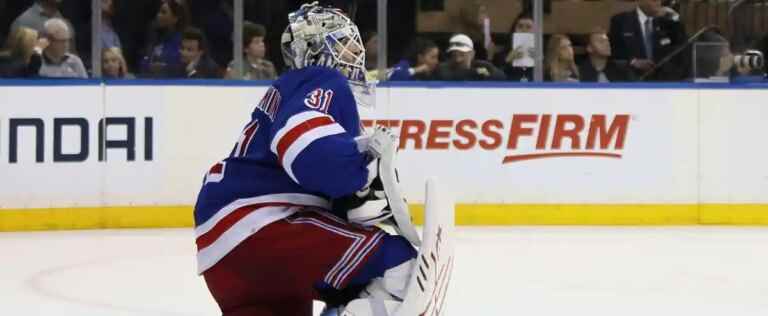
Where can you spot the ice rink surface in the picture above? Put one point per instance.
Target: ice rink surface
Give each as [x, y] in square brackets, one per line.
[530, 271]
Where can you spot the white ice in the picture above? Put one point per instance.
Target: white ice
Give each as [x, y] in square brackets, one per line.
[531, 271]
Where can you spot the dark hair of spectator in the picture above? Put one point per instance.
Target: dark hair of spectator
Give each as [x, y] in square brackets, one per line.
[251, 30]
[523, 15]
[195, 34]
[367, 36]
[419, 46]
[180, 10]
[596, 31]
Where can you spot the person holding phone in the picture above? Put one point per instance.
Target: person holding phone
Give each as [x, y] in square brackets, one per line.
[516, 61]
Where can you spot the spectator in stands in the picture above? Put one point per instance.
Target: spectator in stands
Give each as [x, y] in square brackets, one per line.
[195, 57]
[255, 65]
[462, 65]
[163, 54]
[20, 58]
[715, 59]
[471, 19]
[506, 58]
[598, 66]
[109, 37]
[420, 62]
[40, 12]
[113, 64]
[646, 35]
[371, 43]
[57, 61]
[560, 65]
[215, 19]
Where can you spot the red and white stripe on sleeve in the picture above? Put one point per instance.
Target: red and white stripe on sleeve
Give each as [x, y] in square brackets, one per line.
[245, 139]
[298, 133]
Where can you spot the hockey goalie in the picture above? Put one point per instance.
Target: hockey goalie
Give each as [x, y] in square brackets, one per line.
[298, 210]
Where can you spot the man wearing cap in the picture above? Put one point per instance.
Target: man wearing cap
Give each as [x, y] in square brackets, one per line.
[462, 65]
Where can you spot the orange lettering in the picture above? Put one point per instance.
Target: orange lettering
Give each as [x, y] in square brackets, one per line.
[389, 123]
[561, 130]
[494, 135]
[617, 130]
[437, 139]
[412, 129]
[517, 129]
[464, 130]
[541, 140]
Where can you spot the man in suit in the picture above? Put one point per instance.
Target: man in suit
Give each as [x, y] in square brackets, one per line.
[598, 66]
[646, 35]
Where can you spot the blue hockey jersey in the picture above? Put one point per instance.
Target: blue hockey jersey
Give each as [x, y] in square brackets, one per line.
[298, 150]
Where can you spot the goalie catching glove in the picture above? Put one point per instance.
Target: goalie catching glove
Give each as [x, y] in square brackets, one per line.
[370, 206]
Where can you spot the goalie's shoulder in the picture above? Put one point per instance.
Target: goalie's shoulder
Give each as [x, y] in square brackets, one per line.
[312, 76]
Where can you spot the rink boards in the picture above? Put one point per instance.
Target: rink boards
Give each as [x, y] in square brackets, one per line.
[132, 154]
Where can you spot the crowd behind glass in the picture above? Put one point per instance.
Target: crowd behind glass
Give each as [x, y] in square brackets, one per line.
[193, 39]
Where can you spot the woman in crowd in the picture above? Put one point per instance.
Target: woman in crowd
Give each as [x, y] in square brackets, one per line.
[163, 54]
[113, 64]
[559, 64]
[421, 60]
[20, 58]
[506, 59]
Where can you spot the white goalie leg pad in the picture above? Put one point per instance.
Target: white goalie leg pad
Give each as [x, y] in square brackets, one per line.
[393, 284]
[369, 307]
[418, 286]
[429, 282]
[383, 295]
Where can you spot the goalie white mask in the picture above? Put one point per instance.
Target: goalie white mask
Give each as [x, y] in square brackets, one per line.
[326, 37]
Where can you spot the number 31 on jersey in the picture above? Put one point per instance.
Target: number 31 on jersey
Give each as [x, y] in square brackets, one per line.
[319, 100]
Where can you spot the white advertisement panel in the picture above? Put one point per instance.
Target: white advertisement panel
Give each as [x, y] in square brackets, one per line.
[130, 145]
[734, 154]
[189, 127]
[548, 145]
[49, 146]
[85, 146]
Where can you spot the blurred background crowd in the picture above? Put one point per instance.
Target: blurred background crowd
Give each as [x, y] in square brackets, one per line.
[446, 40]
